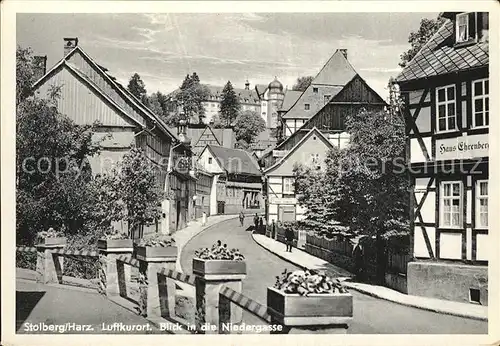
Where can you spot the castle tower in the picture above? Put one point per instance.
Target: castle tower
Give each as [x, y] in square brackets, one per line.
[275, 99]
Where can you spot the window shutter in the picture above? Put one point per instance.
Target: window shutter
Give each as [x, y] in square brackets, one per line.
[472, 25]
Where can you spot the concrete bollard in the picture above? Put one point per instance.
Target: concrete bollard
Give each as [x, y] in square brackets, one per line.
[212, 309]
[49, 266]
[157, 292]
[116, 275]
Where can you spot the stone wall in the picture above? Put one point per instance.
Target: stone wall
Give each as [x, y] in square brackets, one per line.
[447, 281]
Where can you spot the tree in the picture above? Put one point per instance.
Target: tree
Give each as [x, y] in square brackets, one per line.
[302, 83]
[139, 189]
[25, 74]
[418, 39]
[229, 105]
[191, 96]
[52, 169]
[137, 87]
[248, 125]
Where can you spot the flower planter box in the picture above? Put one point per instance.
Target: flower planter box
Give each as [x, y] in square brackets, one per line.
[52, 242]
[219, 269]
[115, 244]
[315, 309]
[155, 253]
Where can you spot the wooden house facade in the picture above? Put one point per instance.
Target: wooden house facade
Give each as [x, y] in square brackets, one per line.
[445, 88]
[237, 180]
[88, 94]
[309, 143]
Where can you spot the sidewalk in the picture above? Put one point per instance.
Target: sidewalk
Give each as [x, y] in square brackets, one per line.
[303, 259]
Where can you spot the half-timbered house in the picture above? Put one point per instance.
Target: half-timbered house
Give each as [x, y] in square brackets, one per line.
[87, 93]
[445, 89]
[308, 142]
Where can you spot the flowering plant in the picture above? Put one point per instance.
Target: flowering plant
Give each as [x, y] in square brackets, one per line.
[50, 233]
[305, 282]
[219, 252]
[115, 235]
[157, 240]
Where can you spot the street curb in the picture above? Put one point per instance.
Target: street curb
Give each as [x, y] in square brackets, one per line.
[437, 310]
[279, 256]
[200, 232]
[374, 295]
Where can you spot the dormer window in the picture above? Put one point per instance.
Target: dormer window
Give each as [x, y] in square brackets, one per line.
[465, 27]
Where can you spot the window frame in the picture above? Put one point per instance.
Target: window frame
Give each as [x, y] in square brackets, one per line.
[291, 191]
[484, 96]
[477, 205]
[457, 27]
[442, 198]
[446, 102]
[315, 90]
[307, 106]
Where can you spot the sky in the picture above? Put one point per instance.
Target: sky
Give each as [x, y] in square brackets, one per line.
[163, 48]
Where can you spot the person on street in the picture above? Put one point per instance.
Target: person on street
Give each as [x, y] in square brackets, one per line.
[256, 221]
[204, 219]
[242, 218]
[273, 230]
[261, 226]
[289, 239]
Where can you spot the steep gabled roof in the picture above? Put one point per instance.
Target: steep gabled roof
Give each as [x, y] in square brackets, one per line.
[314, 130]
[439, 56]
[330, 80]
[235, 161]
[291, 96]
[124, 93]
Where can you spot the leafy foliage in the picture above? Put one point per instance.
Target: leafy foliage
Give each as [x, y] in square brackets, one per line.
[248, 125]
[229, 105]
[302, 83]
[219, 252]
[138, 189]
[137, 87]
[417, 39]
[306, 282]
[192, 94]
[25, 74]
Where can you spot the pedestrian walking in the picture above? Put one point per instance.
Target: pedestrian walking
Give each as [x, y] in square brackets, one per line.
[242, 218]
[261, 226]
[273, 230]
[204, 219]
[289, 239]
[256, 221]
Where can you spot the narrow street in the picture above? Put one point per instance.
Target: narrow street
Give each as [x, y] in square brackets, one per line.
[371, 315]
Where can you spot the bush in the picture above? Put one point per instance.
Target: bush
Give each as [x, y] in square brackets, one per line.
[26, 260]
[305, 282]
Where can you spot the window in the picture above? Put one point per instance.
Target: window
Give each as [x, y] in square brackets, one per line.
[480, 103]
[451, 204]
[315, 90]
[307, 106]
[209, 160]
[446, 109]
[315, 160]
[482, 204]
[288, 186]
[465, 27]
[326, 98]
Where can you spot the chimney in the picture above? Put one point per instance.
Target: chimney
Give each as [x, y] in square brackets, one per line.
[247, 85]
[344, 52]
[69, 44]
[40, 66]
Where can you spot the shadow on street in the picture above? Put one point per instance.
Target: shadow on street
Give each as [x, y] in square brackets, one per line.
[25, 303]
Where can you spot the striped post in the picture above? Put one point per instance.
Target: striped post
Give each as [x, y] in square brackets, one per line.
[213, 308]
[49, 265]
[114, 274]
[157, 291]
